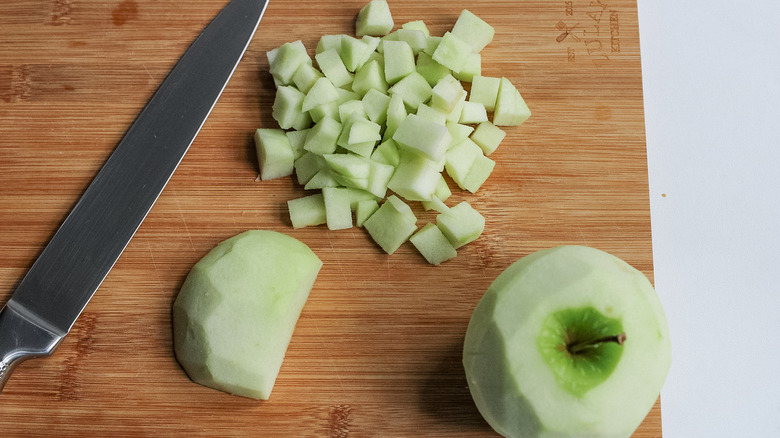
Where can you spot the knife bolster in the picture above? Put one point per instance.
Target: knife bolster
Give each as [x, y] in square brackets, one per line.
[22, 339]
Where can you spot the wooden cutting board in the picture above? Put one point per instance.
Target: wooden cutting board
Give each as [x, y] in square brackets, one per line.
[377, 348]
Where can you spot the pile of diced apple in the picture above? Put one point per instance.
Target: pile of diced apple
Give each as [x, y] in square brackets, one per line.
[387, 111]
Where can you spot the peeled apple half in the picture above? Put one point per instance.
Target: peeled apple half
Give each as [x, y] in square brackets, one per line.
[235, 314]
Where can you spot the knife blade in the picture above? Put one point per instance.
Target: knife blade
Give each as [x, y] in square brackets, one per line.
[56, 289]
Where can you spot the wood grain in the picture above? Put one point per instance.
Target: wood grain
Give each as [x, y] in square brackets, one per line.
[377, 349]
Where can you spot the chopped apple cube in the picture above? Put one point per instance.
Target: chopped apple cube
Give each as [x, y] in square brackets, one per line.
[433, 245]
[352, 109]
[350, 165]
[372, 42]
[484, 89]
[322, 138]
[401, 207]
[363, 149]
[333, 67]
[478, 173]
[339, 203]
[307, 166]
[370, 76]
[416, 39]
[387, 152]
[435, 204]
[511, 109]
[473, 113]
[446, 94]
[413, 89]
[305, 77]
[307, 211]
[431, 70]
[474, 30]
[399, 60]
[454, 116]
[459, 132]
[471, 67]
[286, 60]
[452, 52]
[374, 19]
[433, 43]
[338, 214]
[323, 91]
[363, 131]
[396, 113]
[274, 154]
[441, 194]
[392, 224]
[488, 136]
[442, 191]
[364, 210]
[354, 52]
[460, 158]
[415, 178]
[432, 114]
[329, 42]
[357, 195]
[323, 178]
[461, 224]
[379, 178]
[329, 110]
[286, 109]
[424, 137]
[346, 96]
[345, 181]
[392, 36]
[417, 25]
[375, 104]
[297, 139]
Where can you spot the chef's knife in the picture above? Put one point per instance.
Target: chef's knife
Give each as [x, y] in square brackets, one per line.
[58, 286]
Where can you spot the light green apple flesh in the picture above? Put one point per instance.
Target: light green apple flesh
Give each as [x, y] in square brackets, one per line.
[235, 314]
[567, 342]
[374, 19]
[384, 111]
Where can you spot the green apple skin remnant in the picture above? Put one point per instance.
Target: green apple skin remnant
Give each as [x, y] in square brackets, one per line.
[235, 314]
[567, 342]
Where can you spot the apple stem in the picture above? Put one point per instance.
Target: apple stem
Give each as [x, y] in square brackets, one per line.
[578, 347]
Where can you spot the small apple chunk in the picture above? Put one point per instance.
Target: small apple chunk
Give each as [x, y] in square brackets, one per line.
[392, 224]
[474, 30]
[461, 224]
[235, 314]
[285, 60]
[274, 153]
[374, 19]
[567, 342]
[432, 244]
[511, 109]
[307, 211]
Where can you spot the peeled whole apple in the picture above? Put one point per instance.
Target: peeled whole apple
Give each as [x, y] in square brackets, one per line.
[567, 342]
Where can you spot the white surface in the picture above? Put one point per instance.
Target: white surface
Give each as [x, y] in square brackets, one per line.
[711, 74]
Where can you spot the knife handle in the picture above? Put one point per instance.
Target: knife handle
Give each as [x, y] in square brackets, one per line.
[21, 339]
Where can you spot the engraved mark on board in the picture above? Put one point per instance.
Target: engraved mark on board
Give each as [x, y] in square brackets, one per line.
[589, 30]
